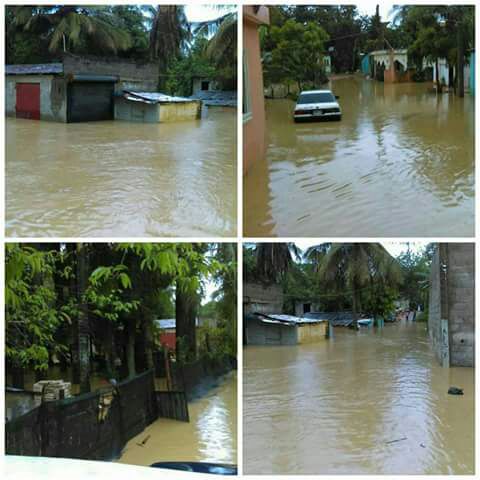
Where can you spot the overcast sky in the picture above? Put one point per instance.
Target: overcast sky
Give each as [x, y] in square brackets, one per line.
[394, 248]
[202, 13]
[369, 9]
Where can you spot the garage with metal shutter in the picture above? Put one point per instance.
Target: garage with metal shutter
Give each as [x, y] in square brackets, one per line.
[90, 98]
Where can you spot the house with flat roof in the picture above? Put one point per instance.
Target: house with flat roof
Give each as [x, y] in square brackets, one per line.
[77, 89]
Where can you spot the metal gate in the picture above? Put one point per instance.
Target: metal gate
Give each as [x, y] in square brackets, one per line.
[28, 101]
[90, 101]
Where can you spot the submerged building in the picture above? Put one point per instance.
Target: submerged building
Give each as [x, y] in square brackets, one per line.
[279, 329]
[265, 325]
[451, 316]
[77, 89]
[153, 107]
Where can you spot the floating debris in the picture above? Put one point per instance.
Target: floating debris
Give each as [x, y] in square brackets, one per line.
[397, 440]
[455, 391]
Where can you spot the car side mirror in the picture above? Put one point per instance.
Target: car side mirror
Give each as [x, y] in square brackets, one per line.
[337, 97]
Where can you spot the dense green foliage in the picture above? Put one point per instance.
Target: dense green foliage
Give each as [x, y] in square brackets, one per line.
[416, 276]
[161, 34]
[428, 32]
[62, 298]
[361, 277]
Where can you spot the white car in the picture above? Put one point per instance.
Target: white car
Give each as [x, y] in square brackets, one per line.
[317, 104]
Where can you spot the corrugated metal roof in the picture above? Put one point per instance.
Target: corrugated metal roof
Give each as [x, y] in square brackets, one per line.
[34, 69]
[169, 323]
[286, 319]
[217, 98]
[153, 97]
[166, 323]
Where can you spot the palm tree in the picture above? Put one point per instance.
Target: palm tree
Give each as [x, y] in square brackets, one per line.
[352, 266]
[66, 27]
[221, 48]
[81, 324]
[169, 36]
[273, 260]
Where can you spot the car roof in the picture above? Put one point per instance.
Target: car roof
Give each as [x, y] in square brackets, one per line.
[315, 91]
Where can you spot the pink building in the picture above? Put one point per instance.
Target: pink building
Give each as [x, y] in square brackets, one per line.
[254, 142]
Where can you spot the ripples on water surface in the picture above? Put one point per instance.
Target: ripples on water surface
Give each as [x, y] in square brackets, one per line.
[122, 179]
[332, 407]
[210, 436]
[399, 163]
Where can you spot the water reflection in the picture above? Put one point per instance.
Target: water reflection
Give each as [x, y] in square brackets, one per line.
[121, 178]
[210, 436]
[399, 163]
[364, 403]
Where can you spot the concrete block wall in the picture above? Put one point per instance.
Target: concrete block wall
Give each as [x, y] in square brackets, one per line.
[262, 298]
[133, 75]
[452, 296]
[435, 311]
[461, 303]
[53, 95]
[259, 333]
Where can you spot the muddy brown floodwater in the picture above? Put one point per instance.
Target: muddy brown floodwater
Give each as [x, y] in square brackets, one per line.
[399, 163]
[210, 436]
[332, 407]
[118, 178]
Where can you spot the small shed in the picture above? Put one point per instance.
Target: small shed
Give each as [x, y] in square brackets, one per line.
[167, 336]
[279, 329]
[168, 332]
[154, 107]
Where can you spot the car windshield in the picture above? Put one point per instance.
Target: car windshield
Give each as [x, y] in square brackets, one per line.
[324, 97]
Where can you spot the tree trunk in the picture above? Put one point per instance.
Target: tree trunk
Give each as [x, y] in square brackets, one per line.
[185, 315]
[355, 305]
[460, 62]
[18, 376]
[130, 348]
[149, 341]
[109, 346]
[83, 338]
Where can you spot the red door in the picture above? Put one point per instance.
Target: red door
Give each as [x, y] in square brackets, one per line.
[28, 101]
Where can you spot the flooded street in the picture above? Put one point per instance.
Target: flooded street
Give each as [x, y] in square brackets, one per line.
[334, 406]
[399, 163]
[117, 178]
[210, 436]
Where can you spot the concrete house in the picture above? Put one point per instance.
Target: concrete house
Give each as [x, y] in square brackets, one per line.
[203, 84]
[254, 129]
[265, 325]
[451, 316]
[389, 65]
[77, 89]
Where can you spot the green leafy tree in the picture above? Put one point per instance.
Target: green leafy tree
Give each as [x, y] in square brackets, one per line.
[297, 53]
[354, 266]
